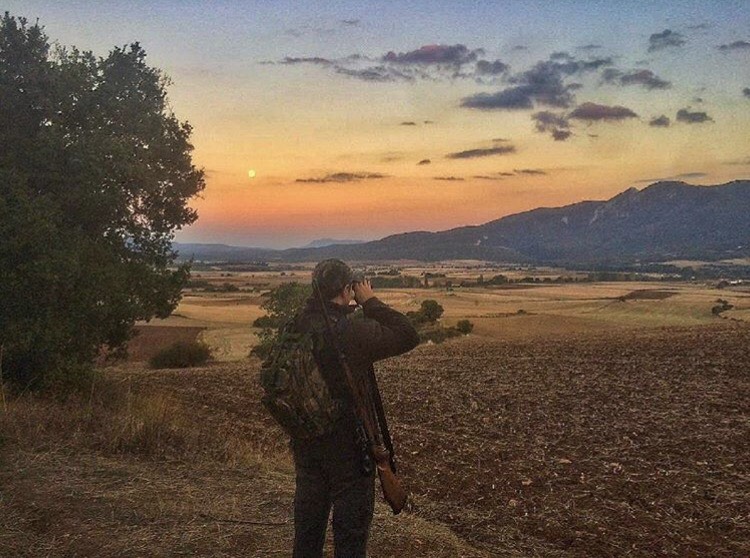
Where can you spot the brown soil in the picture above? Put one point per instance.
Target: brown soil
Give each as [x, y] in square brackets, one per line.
[590, 445]
[605, 446]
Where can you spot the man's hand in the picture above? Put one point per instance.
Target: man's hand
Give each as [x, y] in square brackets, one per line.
[363, 292]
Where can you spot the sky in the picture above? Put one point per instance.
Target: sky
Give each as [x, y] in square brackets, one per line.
[357, 120]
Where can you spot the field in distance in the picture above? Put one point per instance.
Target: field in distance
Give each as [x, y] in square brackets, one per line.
[223, 304]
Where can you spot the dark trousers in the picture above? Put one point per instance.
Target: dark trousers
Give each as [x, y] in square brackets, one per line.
[329, 474]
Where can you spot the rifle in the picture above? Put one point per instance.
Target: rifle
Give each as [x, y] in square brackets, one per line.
[393, 492]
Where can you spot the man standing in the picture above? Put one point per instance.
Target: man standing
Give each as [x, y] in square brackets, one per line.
[330, 469]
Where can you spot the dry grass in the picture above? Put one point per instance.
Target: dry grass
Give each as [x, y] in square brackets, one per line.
[176, 463]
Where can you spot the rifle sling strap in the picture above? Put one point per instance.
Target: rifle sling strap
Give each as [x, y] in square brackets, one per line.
[381, 416]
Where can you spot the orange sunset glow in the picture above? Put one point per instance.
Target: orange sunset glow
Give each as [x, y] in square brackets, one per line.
[363, 121]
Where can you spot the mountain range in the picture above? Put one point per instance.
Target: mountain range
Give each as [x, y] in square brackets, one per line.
[664, 221]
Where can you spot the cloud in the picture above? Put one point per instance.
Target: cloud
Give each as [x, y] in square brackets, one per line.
[543, 84]
[487, 177]
[556, 124]
[738, 162]
[665, 39]
[487, 152]
[351, 22]
[520, 47]
[691, 175]
[375, 74]
[593, 112]
[561, 56]
[408, 123]
[512, 99]
[487, 68]
[561, 135]
[683, 176]
[452, 55]
[448, 178]
[699, 26]
[581, 66]
[392, 156]
[660, 122]
[589, 47]
[424, 162]
[429, 62]
[746, 92]
[306, 60]
[736, 45]
[340, 177]
[685, 115]
[533, 172]
[646, 78]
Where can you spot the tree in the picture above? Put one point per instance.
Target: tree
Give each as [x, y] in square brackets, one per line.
[95, 176]
[282, 304]
[428, 313]
[431, 309]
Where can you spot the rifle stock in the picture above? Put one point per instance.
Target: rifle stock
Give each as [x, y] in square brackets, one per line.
[393, 492]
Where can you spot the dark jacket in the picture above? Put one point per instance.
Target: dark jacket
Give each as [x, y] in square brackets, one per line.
[379, 332]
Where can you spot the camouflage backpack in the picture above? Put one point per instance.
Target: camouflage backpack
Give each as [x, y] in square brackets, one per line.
[296, 394]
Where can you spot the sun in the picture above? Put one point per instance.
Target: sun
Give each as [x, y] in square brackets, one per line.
[251, 173]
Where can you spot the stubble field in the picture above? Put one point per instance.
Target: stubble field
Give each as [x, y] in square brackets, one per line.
[603, 419]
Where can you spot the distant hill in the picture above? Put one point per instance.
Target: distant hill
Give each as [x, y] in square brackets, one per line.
[223, 253]
[322, 242]
[664, 221]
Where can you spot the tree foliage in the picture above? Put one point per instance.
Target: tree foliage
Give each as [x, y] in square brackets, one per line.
[95, 176]
[280, 306]
[429, 312]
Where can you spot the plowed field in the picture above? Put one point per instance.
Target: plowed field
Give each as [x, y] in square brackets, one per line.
[594, 445]
[590, 445]
[587, 446]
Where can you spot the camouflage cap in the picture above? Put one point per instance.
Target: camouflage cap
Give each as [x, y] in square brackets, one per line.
[332, 276]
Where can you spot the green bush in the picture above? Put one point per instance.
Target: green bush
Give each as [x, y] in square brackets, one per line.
[182, 354]
[391, 282]
[437, 334]
[428, 313]
[723, 306]
[264, 322]
[432, 310]
[464, 326]
[498, 280]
